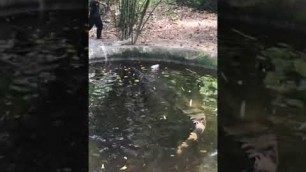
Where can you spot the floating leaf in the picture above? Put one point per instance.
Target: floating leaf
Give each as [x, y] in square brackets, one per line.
[203, 151]
[123, 168]
[163, 117]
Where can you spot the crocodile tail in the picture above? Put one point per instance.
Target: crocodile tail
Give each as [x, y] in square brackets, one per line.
[194, 136]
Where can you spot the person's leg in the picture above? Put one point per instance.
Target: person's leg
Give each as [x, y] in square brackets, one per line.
[91, 23]
[99, 26]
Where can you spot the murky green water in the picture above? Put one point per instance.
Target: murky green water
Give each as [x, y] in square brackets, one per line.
[138, 117]
[262, 91]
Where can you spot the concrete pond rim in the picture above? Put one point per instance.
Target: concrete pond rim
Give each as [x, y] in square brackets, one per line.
[102, 53]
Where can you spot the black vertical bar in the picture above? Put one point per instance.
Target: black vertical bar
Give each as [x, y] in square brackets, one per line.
[250, 137]
[44, 86]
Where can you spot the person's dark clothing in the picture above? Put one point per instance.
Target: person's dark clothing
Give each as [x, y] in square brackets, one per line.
[98, 23]
[94, 9]
[94, 18]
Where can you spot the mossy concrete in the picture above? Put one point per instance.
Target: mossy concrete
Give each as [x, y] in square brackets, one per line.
[99, 52]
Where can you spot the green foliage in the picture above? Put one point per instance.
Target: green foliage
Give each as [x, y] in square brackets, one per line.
[288, 78]
[133, 17]
[163, 1]
[208, 89]
[208, 61]
[286, 60]
[200, 4]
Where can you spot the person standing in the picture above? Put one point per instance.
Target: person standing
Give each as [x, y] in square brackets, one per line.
[94, 17]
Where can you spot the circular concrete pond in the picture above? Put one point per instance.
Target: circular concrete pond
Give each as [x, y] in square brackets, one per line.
[143, 101]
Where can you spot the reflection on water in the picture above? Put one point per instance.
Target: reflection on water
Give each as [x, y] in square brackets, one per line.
[262, 99]
[138, 116]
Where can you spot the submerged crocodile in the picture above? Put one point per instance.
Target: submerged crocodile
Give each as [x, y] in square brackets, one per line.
[194, 136]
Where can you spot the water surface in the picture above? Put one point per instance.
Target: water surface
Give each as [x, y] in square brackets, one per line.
[138, 117]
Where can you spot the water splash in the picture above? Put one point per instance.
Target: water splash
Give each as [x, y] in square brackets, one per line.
[104, 52]
[95, 48]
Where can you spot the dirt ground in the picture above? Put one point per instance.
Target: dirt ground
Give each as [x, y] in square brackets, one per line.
[175, 26]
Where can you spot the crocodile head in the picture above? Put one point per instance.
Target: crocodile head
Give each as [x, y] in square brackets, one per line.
[200, 125]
